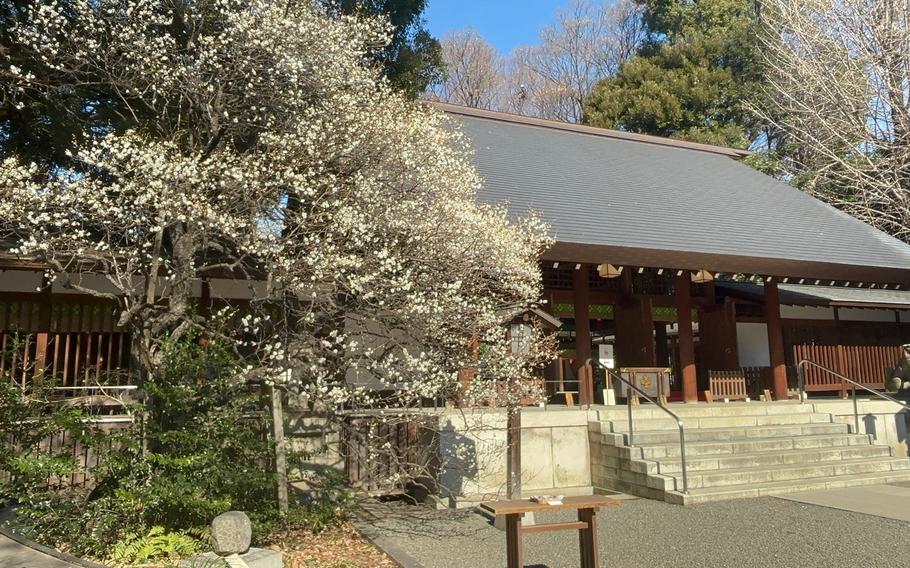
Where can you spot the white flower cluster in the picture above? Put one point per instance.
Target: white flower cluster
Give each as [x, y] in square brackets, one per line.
[263, 147]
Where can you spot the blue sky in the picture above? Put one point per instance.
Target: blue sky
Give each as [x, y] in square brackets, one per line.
[504, 23]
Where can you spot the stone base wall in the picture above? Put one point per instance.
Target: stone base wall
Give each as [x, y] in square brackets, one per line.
[555, 452]
[559, 454]
[886, 422]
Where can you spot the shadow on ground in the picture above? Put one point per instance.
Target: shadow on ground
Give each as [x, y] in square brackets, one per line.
[749, 533]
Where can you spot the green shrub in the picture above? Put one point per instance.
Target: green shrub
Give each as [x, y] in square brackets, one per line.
[157, 545]
[330, 502]
[200, 446]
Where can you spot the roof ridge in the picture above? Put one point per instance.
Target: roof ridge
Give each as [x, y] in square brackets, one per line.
[735, 153]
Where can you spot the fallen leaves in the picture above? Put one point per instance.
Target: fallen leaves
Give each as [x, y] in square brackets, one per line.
[340, 547]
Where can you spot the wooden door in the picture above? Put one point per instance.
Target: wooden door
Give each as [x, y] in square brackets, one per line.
[634, 333]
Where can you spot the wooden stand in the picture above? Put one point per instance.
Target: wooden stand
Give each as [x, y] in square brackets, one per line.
[586, 506]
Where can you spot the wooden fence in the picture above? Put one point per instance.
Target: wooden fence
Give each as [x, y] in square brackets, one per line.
[78, 344]
[731, 385]
[385, 455]
[868, 364]
[757, 380]
[84, 457]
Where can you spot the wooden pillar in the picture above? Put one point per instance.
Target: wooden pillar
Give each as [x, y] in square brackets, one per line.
[686, 339]
[205, 298]
[281, 466]
[582, 333]
[43, 328]
[513, 453]
[775, 340]
[841, 352]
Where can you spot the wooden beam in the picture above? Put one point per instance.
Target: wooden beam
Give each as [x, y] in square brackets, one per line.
[548, 527]
[775, 340]
[686, 338]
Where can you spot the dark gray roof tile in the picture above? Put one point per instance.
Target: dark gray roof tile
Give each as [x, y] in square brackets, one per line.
[601, 190]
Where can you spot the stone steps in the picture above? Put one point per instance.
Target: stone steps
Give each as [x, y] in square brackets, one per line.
[767, 474]
[742, 446]
[670, 466]
[729, 434]
[740, 455]
[721, 422]
[686, 411]
[707, 495]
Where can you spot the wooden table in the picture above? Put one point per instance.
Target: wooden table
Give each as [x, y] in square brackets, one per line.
[586, 506]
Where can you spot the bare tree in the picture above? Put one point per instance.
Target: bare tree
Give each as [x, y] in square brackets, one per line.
[473, 71]
[587, 42]
[839, 86]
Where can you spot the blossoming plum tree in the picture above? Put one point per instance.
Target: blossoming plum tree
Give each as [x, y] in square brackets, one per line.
[251, 139]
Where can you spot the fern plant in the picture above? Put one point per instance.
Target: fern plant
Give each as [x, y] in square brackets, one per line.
[158, 544]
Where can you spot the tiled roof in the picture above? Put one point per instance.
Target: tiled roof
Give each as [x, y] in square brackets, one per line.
[640, 193]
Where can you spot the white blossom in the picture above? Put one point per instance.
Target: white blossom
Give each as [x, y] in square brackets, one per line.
[266, 149]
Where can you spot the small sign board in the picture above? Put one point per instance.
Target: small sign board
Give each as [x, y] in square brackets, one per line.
[605, 355]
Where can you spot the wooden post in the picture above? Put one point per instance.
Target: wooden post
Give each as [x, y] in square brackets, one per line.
[43, 328]
[587, 539]
[513, 443]
[582, 332]
[841, 353]
[281, 466]
[514, 552]
[205, 298]
[775, 340]
[686, 339]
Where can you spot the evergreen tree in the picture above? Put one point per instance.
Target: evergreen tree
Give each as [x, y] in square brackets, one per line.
[413, 58]
[691, 78]
[32, 125]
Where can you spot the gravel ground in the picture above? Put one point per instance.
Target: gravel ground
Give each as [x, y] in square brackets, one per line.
[764, 532]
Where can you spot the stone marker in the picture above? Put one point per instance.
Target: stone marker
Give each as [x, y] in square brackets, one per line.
[231, 533]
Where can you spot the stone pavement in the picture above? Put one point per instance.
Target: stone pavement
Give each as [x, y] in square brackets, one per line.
[891, 501]
[747, 533]
[15, 555]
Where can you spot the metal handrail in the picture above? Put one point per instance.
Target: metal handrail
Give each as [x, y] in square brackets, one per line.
[801, 385]
[679, 422]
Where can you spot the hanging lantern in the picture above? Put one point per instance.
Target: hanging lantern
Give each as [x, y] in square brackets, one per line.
[608, 271]
[702, 276]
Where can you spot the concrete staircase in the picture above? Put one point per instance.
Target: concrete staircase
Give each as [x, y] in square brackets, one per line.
[734, 450]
